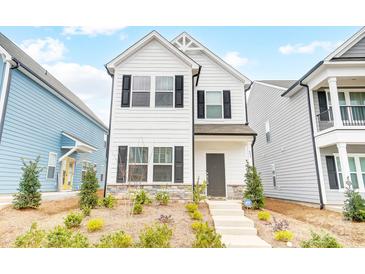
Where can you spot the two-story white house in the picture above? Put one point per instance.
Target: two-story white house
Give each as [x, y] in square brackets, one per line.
[312, 133]
[178, 116]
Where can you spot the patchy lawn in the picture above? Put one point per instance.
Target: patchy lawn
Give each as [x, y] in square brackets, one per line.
[15, 222]
[303, 219]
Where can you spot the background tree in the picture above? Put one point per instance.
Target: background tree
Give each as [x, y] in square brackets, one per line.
[254, 190]
[29, 195]
[89, 189]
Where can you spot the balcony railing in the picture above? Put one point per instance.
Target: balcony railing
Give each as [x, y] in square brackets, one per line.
[350, 116]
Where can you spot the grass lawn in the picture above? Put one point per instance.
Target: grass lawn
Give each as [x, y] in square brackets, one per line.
[15, 222]
[304, 219]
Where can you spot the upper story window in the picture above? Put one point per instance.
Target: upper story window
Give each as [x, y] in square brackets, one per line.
[141, 89]
[214, 105]
[164, 91]
[267, 132]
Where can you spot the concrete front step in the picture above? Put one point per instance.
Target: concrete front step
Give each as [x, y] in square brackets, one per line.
[227, 212]
[237, 221]
[233, 230]
[224, 205]
[244, 241]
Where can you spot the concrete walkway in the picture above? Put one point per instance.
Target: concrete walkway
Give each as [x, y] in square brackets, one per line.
[236, 229]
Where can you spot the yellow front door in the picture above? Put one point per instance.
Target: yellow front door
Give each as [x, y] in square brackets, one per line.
[68, 170]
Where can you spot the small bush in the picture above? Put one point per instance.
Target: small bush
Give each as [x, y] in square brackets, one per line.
[264, 215]
[142, 197]
[206, 237]
[100, 202]
[196, 215]
[31, 239]
[354, 208]
[117, 239]
[283, 235]
[95, 224]
[109, 201]
[86, 210]
[162, 197]
[165, 219]
[280, 225]
[155, 236]
[191, 207]
[73, 220]
[137, 209]
[197, 225]
[320, 241]
[61, 237]
[89, 188]
[199, 192]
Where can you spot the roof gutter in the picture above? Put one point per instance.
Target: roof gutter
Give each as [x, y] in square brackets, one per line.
[245, 93]
[321, 204]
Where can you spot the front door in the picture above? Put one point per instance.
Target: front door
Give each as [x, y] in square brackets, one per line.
[68, 171]
[216, 177]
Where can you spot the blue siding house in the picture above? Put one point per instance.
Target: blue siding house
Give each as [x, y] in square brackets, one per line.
[41, 117]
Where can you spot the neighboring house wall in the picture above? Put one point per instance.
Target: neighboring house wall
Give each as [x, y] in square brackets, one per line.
[214, 78]
[291, 146]
[33, 124]
[151, 126]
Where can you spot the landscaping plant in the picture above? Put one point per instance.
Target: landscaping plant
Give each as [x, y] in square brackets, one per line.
[206, 237]
[33, 238]
[137, 209]
[109, 201]
[155, 236]
[324, 240]
[117, 239]
[86, 210]
[199, 192]
[197, 225]
[165, 219]
[95, 224]
[354, 208]
[142, 197]
[29, 195]
[162, 197]
[191, 207]
[280, 225]
[61, 237]
[264, 215]
[73, 220]
[283, 235]
[254, 189]
[196, 215]
[89, 188]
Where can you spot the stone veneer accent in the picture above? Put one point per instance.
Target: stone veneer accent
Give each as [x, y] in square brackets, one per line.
[177, 192]
[235, 192]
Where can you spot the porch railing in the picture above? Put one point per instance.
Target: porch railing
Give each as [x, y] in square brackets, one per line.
[325, 119]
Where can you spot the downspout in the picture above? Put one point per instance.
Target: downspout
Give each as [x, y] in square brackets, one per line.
[321, 204]
[245, 93]
[193, 122]
[252, 144]
[109, 131]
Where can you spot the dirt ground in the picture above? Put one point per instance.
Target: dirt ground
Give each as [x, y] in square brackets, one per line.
[303, 219]
[15, 222]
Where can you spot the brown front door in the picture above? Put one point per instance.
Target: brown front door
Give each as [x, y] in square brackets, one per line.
[216, 176]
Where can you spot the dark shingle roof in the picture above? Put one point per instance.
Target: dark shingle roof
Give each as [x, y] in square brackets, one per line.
[223, 129]
[279, 83]
[25, 60]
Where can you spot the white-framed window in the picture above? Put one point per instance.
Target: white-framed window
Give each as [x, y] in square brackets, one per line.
[273, 172]
[164, 91]
[357, 171]
[85, 166]
[138, 164]
[267, 132]
[141, 91]
[162, 164]
[51, 168]
[214, 104]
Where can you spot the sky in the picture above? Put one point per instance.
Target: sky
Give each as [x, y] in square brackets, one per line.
[76, 55]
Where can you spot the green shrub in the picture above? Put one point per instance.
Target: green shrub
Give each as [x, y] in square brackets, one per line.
[100, 202]
[86, 210]
[73, 220]
[283, 235]
[162, 197]
[109, 201]
[33, 238]
[191, 207]
[254, 189]
[199, 192]
[89, 188]
[29, 195]
[197, 225]
[95, 224]
[117, 239]
[264, 215]
[206, 237]
[155, 236]
[324, 240]
[196, 215]
[354, 208]
[142, 197]
[137, 209]
[61, 237]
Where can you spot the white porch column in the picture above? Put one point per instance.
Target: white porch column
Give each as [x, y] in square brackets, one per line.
[345, 168]
[332, 83]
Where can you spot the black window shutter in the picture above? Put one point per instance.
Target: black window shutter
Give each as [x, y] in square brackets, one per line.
[332, 174]
[201, 104]
[122, 164]
[179, 91]
[126, 90]
[227, 104]
[322, 101]
[179, 164]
